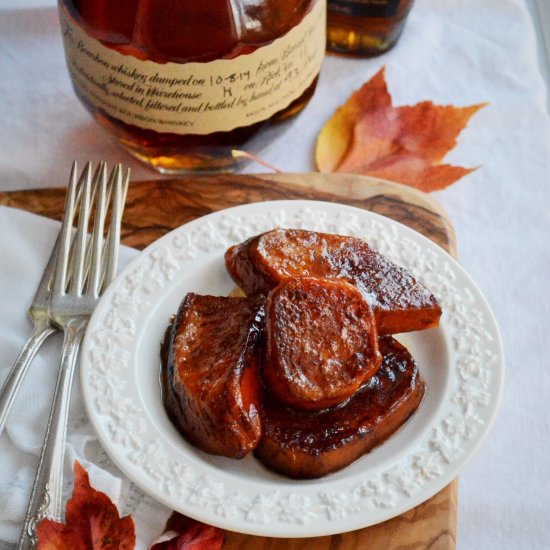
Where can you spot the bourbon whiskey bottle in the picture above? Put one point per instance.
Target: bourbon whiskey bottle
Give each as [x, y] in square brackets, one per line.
[365, 27]
[184, 83]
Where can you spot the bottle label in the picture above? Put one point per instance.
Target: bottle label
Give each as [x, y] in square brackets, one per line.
[197, 98]
[364, 8]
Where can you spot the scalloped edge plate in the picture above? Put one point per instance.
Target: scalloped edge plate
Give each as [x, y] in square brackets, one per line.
[461, 361]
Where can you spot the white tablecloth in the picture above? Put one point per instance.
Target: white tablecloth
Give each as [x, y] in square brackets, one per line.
[457, 51]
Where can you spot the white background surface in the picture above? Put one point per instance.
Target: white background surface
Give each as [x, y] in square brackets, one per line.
[457, 51]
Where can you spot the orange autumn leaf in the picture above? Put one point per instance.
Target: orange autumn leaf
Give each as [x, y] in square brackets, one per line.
[368, 135]
[92, 522]
[183, 533]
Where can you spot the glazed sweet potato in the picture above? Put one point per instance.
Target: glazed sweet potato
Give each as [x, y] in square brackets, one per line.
[210, 373]
[399, 301]
[304, 445]
[321, 342]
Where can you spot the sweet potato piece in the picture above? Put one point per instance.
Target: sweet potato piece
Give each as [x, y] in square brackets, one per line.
[210, 373]
[321, 342]
[306, 445]
[399, 301]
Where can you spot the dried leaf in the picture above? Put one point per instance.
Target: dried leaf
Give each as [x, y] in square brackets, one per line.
[369, 136]
[92, 522]
[183, 533]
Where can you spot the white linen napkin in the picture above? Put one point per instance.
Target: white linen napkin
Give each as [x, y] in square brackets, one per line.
[23, 258]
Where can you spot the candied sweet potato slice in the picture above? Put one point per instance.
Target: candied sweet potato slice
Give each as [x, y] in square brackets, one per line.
[400, 302]
[321, 342]
[305, 445]
[210, 373]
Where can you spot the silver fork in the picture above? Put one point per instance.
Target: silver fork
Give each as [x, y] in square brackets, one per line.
[79, 279]
[43, 325]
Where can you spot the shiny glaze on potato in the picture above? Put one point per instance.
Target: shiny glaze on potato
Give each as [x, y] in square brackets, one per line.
[303, 445]
[210, 373]
[321, 342]
[399, 301]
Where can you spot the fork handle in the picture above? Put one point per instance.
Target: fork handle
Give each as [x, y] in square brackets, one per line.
[42, 329]
[47, 491]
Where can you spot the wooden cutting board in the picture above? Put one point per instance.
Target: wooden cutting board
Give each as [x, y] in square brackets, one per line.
[155, 207]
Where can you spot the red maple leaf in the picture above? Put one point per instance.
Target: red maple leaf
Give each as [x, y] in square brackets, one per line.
[183, 533]
[92, 522]
[368, 135]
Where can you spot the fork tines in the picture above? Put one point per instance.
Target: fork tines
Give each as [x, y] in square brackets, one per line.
[90, 271]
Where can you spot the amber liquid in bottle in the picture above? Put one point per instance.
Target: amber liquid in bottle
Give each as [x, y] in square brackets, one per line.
[365, 27]
[183, 31]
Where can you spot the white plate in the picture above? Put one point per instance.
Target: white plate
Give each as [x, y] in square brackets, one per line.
[461, 361]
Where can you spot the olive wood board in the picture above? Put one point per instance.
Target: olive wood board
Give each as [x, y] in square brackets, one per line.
[156, 207]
